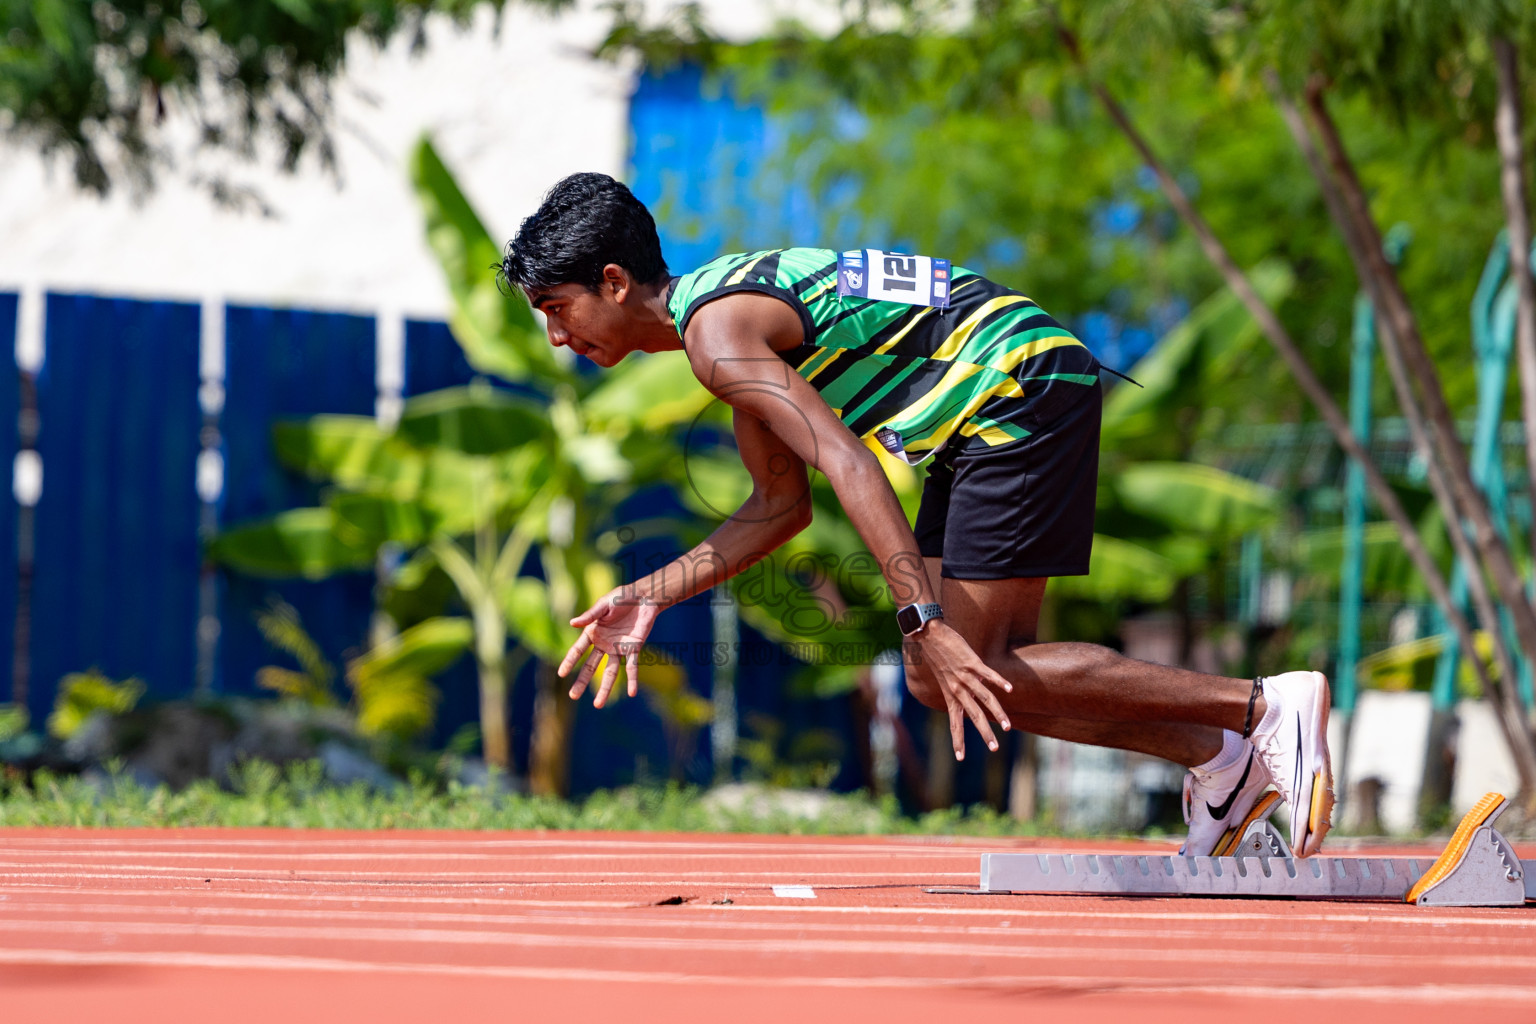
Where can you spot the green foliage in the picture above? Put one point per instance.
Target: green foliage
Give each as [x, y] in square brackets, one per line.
[665, 687]
[82, 694]
[94, 81]
[300, 542]
[493, 325]
[983, 106]
[395, 695]
[1412, 665]
[280, 626]
[267, 797]
[13, 721]
[477, 420]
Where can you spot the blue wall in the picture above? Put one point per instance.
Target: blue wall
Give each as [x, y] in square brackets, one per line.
[9, 401]
[707, 165]
[117, 550]
[284, 364]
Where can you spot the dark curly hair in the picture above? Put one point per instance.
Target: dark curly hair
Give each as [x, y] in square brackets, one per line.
[586, 221]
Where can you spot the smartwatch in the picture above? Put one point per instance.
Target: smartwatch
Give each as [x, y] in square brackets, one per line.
[912, 617]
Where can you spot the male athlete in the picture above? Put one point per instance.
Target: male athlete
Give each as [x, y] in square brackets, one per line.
[817, 352]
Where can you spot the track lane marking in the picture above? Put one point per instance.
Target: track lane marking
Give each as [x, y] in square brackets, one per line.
[1042, 984]
[799, 946]
[1379, 914]
[671, 920]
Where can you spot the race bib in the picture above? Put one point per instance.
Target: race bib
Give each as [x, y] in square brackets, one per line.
[893, 277]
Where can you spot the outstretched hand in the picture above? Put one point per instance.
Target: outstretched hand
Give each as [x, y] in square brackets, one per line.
[968, 684]
[615, 627]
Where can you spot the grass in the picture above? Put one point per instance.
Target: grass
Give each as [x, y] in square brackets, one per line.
[266, 796]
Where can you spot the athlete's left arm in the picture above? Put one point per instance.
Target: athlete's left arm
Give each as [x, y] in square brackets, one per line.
[732, 344]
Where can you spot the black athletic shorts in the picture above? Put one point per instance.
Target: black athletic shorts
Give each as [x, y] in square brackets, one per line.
[1019, 510]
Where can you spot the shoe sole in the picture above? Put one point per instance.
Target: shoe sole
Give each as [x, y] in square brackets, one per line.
[1318, 816]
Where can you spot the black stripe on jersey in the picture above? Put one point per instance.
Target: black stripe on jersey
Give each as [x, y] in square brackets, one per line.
[768, 270]
[844, 315]
[878, 380]
[805, 284]
[1035, 321]
[847, 359]
[894, 328]
[919, 383]
[797, 355]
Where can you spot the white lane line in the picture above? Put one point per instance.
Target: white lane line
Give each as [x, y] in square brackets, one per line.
[1381, 914]
[717, 944]
[1041, 984]
[638, 924]
[1384, 914]
[428, 844]
[501, 876]
[47, 858]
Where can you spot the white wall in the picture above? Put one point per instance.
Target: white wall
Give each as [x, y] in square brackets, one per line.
[510, 114]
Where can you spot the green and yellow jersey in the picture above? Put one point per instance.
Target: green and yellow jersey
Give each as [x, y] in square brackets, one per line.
[988, 370]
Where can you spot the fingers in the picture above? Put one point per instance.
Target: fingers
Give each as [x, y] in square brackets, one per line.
[956, 725]
[610, 675]
[579, 648]
[988, 699]
[585, 676]
[592, 614]
[993, 678]
[632, 671]
[977, 716]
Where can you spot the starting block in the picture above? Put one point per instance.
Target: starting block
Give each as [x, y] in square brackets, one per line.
[1479, 868]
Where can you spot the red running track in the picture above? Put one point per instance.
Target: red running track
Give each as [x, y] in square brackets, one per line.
[239, 926]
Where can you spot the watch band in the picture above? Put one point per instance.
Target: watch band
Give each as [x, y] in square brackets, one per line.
[911, 618]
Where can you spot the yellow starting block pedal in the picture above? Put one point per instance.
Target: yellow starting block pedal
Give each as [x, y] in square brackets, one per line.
[1478, 868]
[1254, 836]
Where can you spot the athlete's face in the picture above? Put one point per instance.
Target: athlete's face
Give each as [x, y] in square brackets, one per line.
[590, 322]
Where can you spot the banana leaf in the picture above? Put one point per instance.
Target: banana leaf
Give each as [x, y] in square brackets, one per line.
[495, 327]
[367, 520]
[348, 450]
[1192, 498]
[425, 649]
[300, 542]
[1207, 346]
[1119, 570]
[647, 391]
[474, 420]
[526, 603]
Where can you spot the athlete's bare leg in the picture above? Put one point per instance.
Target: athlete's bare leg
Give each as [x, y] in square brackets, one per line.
[1079, 692]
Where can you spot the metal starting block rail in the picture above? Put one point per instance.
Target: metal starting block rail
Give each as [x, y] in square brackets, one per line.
[1479, 868]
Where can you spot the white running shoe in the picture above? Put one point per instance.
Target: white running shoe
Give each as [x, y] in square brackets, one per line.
[1292, 740]
[1216, 803]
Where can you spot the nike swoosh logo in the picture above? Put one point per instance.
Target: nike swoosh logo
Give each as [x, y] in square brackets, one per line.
[1308, 789]
[1220, 813]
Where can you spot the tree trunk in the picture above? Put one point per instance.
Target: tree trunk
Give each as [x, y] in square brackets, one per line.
[941, 762]
[491, 659]
[493, 712]
[1024, 787]
[1291, 354]
[1517, 214]
[1511, 720]
[549, 758]
[1400, 326]
[1286, 347]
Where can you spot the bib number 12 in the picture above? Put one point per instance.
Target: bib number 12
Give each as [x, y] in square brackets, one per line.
[894, 277]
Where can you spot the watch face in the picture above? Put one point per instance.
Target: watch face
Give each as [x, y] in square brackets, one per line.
[908, 620]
